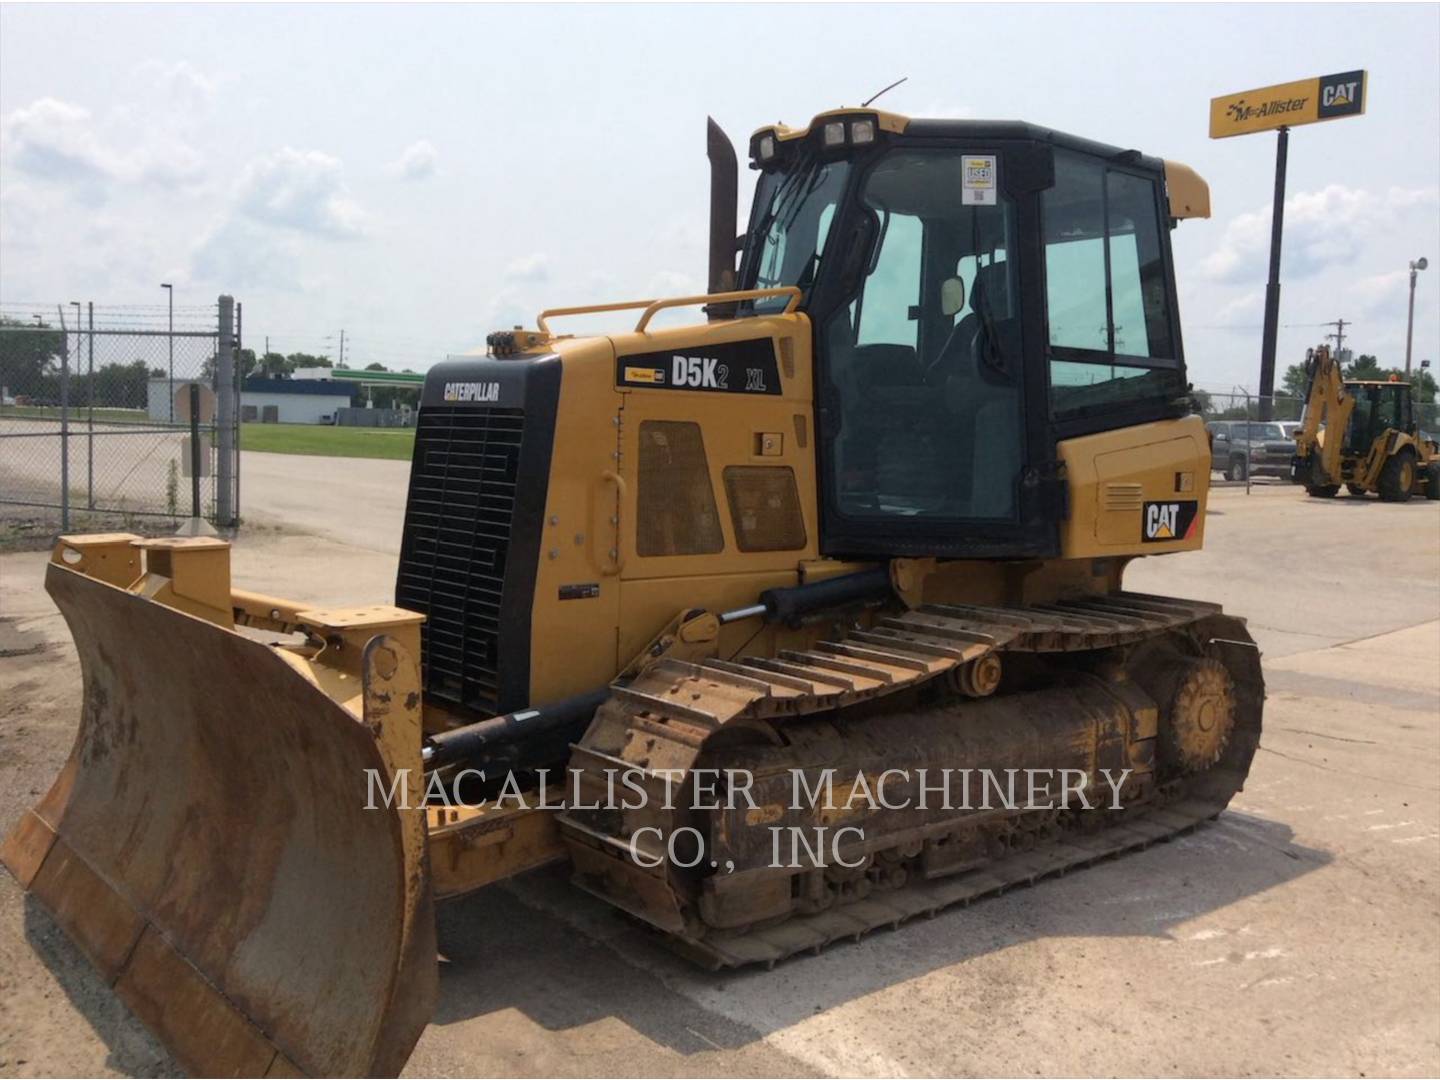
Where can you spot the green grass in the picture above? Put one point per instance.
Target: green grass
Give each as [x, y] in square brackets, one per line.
[323, 441]
[78, 414]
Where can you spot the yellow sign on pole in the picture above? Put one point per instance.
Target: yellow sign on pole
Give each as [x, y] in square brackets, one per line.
[1328, 97]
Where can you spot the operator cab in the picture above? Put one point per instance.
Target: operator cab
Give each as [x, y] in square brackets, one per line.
[1379, 407]
[978, 292]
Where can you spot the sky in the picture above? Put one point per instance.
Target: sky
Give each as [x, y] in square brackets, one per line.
[419, 176]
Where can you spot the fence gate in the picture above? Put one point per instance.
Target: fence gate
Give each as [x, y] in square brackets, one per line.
[94, 432]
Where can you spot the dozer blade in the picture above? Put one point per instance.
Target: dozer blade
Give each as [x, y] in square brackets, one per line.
[208, 843]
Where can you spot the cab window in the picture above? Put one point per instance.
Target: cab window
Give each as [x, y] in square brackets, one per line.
[1110, 334]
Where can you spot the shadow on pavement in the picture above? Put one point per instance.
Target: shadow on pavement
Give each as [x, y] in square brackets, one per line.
[564, 959]
[131, 1049]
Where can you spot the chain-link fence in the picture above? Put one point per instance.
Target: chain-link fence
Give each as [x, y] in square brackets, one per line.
[96, 427]
[1253, 438]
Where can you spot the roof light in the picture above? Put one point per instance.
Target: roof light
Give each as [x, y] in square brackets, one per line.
[767, 147]
[862, 132]
[835, 133]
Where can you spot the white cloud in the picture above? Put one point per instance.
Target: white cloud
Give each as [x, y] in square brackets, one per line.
[303, 190]
[507, 307]
[530, 269]
[181, 83]
[1242, 311]
[666, 283]
[54, 139]
[1404, 198]
[418, 161]
[1322, 229]
[239, 254]
[63, 143]
[1380, 292]
[280, 200]
[24, 211]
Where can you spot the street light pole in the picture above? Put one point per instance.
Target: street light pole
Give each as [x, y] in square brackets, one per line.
[1416, 266]
[79, 326]
[170, 340]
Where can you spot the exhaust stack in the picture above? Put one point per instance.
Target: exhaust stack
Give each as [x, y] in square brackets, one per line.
[724, 195]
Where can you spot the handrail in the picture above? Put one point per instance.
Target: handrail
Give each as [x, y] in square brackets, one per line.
[791, 291]
[653, 306]
[587, 309]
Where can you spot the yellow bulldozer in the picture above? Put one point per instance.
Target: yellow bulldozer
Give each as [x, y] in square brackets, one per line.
[729, 615]
[1362, 434]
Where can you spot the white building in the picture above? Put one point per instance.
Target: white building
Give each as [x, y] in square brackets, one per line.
[283, 401]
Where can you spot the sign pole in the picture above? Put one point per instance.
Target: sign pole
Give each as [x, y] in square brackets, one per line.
[1272, 287]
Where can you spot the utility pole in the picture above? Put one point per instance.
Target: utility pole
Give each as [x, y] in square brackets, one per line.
[1339, 338]
[342, 348]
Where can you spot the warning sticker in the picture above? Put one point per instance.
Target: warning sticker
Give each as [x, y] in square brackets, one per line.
[978, 186]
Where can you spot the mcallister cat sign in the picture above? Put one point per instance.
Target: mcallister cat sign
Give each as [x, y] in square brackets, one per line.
[1328, 97]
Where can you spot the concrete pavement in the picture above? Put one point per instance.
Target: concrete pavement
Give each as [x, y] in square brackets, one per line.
[1299, 934]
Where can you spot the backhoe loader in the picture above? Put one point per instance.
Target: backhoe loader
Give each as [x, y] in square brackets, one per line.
[1362, 434]
[866, 522]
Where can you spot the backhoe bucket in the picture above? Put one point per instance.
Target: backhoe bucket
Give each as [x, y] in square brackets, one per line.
[219, 842]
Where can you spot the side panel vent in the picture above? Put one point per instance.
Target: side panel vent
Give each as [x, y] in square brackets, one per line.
[1124, 496]
[676, 500]
[765, 507]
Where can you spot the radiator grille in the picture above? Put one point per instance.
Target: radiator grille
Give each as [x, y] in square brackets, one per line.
[463, 488]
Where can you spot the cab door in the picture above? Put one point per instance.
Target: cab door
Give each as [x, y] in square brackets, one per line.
[927, 446]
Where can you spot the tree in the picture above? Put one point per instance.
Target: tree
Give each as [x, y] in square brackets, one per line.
[304, 360]
[29, 354]
[244, 360]
[376, 366]
[1425, 385]
[1295, 383]
[274, 365]
[122, 385]
[1365, 366]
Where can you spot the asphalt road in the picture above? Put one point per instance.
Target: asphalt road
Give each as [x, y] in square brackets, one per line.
[1299, 934]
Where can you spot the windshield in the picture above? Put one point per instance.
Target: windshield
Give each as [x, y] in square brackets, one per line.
[1266, 431]
[789, 225]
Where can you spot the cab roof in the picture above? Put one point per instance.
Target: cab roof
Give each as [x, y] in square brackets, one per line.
[1189, 194]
